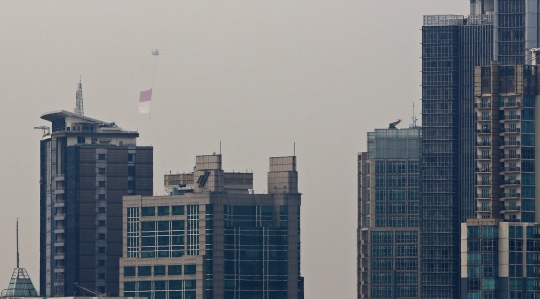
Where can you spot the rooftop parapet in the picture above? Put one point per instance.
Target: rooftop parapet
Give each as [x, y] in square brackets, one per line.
[458, 20]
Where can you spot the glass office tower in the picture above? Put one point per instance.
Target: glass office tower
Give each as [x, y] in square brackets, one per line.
[388, 215]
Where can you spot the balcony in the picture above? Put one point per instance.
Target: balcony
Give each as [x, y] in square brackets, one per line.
[510, 195]
[510, 130]
[510, 209]
[512, 104]
[59, 216]
[480, 183]
[483, 131]
[511, 182]
[483, 143]
[511, 143]
[59, 256]
[511, 169]
[483, 157]
[482, 170]
[511, 117]
[482, 105]
[484, 196]
[480, 118]
[510, 157]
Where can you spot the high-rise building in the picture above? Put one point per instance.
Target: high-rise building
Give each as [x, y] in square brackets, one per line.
[388, 215]
[452, 45]
[501, 258]
[213, 237]
[87, 166]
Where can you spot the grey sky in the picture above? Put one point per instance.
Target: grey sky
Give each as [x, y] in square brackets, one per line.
[257, 75]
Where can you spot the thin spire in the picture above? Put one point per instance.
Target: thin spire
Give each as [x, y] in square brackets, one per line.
[79, 106]
[17, 233]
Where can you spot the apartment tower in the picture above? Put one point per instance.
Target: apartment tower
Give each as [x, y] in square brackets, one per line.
[87, 165]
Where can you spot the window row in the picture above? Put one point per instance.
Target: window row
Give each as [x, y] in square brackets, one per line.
[159, 270]
[163, 210]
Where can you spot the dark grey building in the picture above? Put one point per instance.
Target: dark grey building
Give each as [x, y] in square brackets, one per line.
[452, 45]
[388, 215]
[212, 237]
[87, 165]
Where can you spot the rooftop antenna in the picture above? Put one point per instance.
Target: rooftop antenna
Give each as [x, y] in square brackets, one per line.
[414, 119]
[294, 149]
[17, 232]
[220, 147]
[79, 109]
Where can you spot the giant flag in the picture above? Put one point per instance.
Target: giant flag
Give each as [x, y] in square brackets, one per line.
[144, 101]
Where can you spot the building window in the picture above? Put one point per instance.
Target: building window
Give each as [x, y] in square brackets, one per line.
[102, 184]
[129, 271]
[178, 210]
[101, 276]
[131, 157]
[102, 196]
[485, 206]
[102, 236]
[81, 140]
[175, 269]
[94, 141]
[102, 223]
[131, 170]
[102, 263]
[101, 290]
[163, 211]
[101, 210]
[102, 249]
[144, 270]
[159, 270]
[102, 156]
[190, 269]
[133, 232]
[101, 170]
[148, 211]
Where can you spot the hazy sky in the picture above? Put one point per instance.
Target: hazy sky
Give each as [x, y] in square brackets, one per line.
[257, 75]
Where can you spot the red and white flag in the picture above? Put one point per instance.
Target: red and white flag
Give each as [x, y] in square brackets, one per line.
[144, 101]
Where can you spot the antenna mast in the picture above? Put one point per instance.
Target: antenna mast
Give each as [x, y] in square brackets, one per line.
[79, 107]
[414, 116]
[17, 232]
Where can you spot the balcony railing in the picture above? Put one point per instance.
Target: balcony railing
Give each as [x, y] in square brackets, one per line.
[513, 156]
[510, 130]
[512, 104]
[511, 143]
[483, 157]
[511, 169]
[487, 196]
[483, 143]
[511, 195]
[480, 183]
[482, 118]
[513, 208]
[511, 117]
[482, 105]
[511, 182]
[482, 169]
[483, 131]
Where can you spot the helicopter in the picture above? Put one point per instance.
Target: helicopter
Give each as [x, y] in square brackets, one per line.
[155, 52]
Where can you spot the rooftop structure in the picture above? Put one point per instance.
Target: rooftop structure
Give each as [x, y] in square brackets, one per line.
[212, 238]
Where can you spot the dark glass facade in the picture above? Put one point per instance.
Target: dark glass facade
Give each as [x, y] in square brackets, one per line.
[451, 47]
